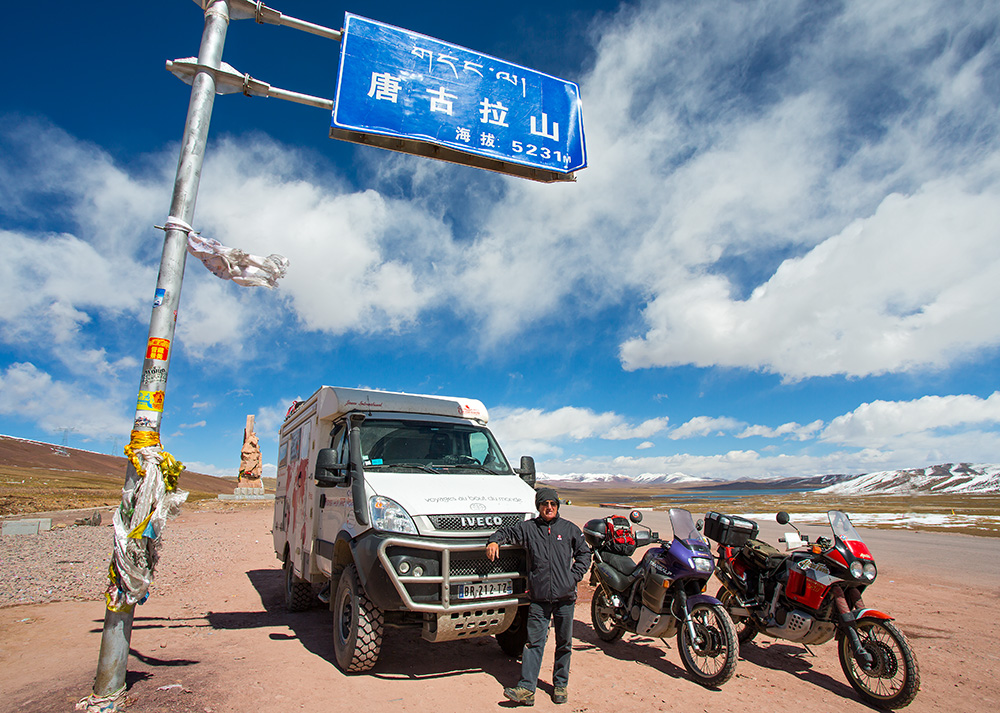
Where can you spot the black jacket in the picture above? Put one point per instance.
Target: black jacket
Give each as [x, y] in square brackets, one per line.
[558, 556]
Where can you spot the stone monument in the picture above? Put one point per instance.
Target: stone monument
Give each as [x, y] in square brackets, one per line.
[250, 486]
[250, 463]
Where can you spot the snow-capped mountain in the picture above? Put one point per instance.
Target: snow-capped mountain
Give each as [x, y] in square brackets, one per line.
[948, 478]
[643, 479]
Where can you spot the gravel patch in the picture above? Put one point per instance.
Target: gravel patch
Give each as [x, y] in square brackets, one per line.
[55, 565]
[71, 563]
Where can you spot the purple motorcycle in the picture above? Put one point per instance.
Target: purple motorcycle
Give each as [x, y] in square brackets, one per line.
[663, 594]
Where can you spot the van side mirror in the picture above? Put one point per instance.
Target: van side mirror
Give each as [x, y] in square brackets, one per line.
[527, 470]
[329, 471]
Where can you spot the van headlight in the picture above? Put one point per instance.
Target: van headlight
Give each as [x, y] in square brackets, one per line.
[390, 516]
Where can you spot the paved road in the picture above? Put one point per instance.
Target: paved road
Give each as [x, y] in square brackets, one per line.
[944, 557]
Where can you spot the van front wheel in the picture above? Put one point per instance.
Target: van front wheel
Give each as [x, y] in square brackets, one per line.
[512, 640]
[357, 625]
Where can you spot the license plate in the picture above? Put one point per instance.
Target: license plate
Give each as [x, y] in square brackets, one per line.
[484, 590]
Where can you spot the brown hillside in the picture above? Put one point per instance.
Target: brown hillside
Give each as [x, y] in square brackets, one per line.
[40, 477]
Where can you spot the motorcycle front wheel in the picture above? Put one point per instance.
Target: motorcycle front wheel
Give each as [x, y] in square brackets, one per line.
[894, 679]
[711, 656]
[746, 630]
[602, 615]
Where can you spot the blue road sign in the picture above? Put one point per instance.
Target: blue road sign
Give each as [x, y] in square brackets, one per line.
[408, 92]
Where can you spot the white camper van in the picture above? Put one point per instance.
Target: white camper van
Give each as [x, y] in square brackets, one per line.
[385, 502]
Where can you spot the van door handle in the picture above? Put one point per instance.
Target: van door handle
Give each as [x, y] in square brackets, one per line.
[322, 501]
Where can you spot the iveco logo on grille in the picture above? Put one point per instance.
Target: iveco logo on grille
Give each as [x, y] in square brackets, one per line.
[481, 521]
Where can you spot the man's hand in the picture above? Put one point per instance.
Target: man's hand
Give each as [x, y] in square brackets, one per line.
[492, 551]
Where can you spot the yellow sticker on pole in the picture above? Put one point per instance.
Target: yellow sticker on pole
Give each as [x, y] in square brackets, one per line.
[157, 348]
[150, 401]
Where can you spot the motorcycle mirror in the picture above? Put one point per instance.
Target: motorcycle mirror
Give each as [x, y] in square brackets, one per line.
[700, 524]
[635, 516]
[782, 517]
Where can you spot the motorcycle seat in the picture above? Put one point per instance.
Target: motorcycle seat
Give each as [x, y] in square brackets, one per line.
[622, 563]
[613, 578]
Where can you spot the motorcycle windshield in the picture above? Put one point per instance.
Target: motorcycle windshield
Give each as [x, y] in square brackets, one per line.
[684, 527]
[842, 526]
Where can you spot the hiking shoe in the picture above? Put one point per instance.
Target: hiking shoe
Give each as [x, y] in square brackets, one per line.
[560, 694]
[520, 696]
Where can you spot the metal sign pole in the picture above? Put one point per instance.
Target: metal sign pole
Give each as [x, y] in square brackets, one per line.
[117, 634]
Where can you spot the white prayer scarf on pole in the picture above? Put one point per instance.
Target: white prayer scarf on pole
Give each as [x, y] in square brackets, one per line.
[232, 263]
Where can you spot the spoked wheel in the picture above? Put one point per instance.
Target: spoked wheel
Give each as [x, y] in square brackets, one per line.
[894, 679]
[746, 630]
[357, 625]
[711, 656]
[298, 592]
[602, 616]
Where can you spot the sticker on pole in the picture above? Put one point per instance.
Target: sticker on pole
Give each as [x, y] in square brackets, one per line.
[149, 401]
[157, 348]
[407, 92]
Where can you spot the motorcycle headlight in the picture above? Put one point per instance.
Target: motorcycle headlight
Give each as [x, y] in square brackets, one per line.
[857, 569]
[702, 564]
[390, 516]
[870, 571]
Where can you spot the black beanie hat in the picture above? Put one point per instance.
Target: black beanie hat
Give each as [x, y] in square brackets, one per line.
[546, 494]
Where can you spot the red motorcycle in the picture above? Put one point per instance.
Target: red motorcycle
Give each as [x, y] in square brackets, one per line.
[812, 594]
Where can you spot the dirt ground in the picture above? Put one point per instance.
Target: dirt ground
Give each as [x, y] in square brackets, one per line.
[215, 638]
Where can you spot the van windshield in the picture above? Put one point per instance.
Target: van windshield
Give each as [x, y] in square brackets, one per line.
[390, 444]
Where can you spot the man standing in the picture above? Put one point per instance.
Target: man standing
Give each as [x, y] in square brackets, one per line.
[558, 557]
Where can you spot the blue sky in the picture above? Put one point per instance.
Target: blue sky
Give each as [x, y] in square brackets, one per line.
[783, 258]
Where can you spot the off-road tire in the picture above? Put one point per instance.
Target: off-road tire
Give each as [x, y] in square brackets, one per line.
[298, 592]
[746, 630]
[357, 625]
[896, 679]
[712, 660]
[512, 640]
[602, 617]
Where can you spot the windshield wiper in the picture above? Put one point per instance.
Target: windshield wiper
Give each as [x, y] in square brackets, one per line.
[405, 466]
[470, 466]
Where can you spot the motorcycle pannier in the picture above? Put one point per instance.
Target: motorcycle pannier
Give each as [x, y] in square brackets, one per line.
[729, 530]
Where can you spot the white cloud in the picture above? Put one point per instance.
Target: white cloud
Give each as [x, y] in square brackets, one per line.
[53, 286]
[883, 423]
[645, 445]
[268, 419]
[792, 431]
[645, 429]
[910, 287]
[358, 261]
[196, 424]
[210, 469]
[32, 394]
[540, 432]
[703, 426]
[883, 214]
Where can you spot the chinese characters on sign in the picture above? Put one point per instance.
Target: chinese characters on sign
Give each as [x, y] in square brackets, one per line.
[400, 84]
